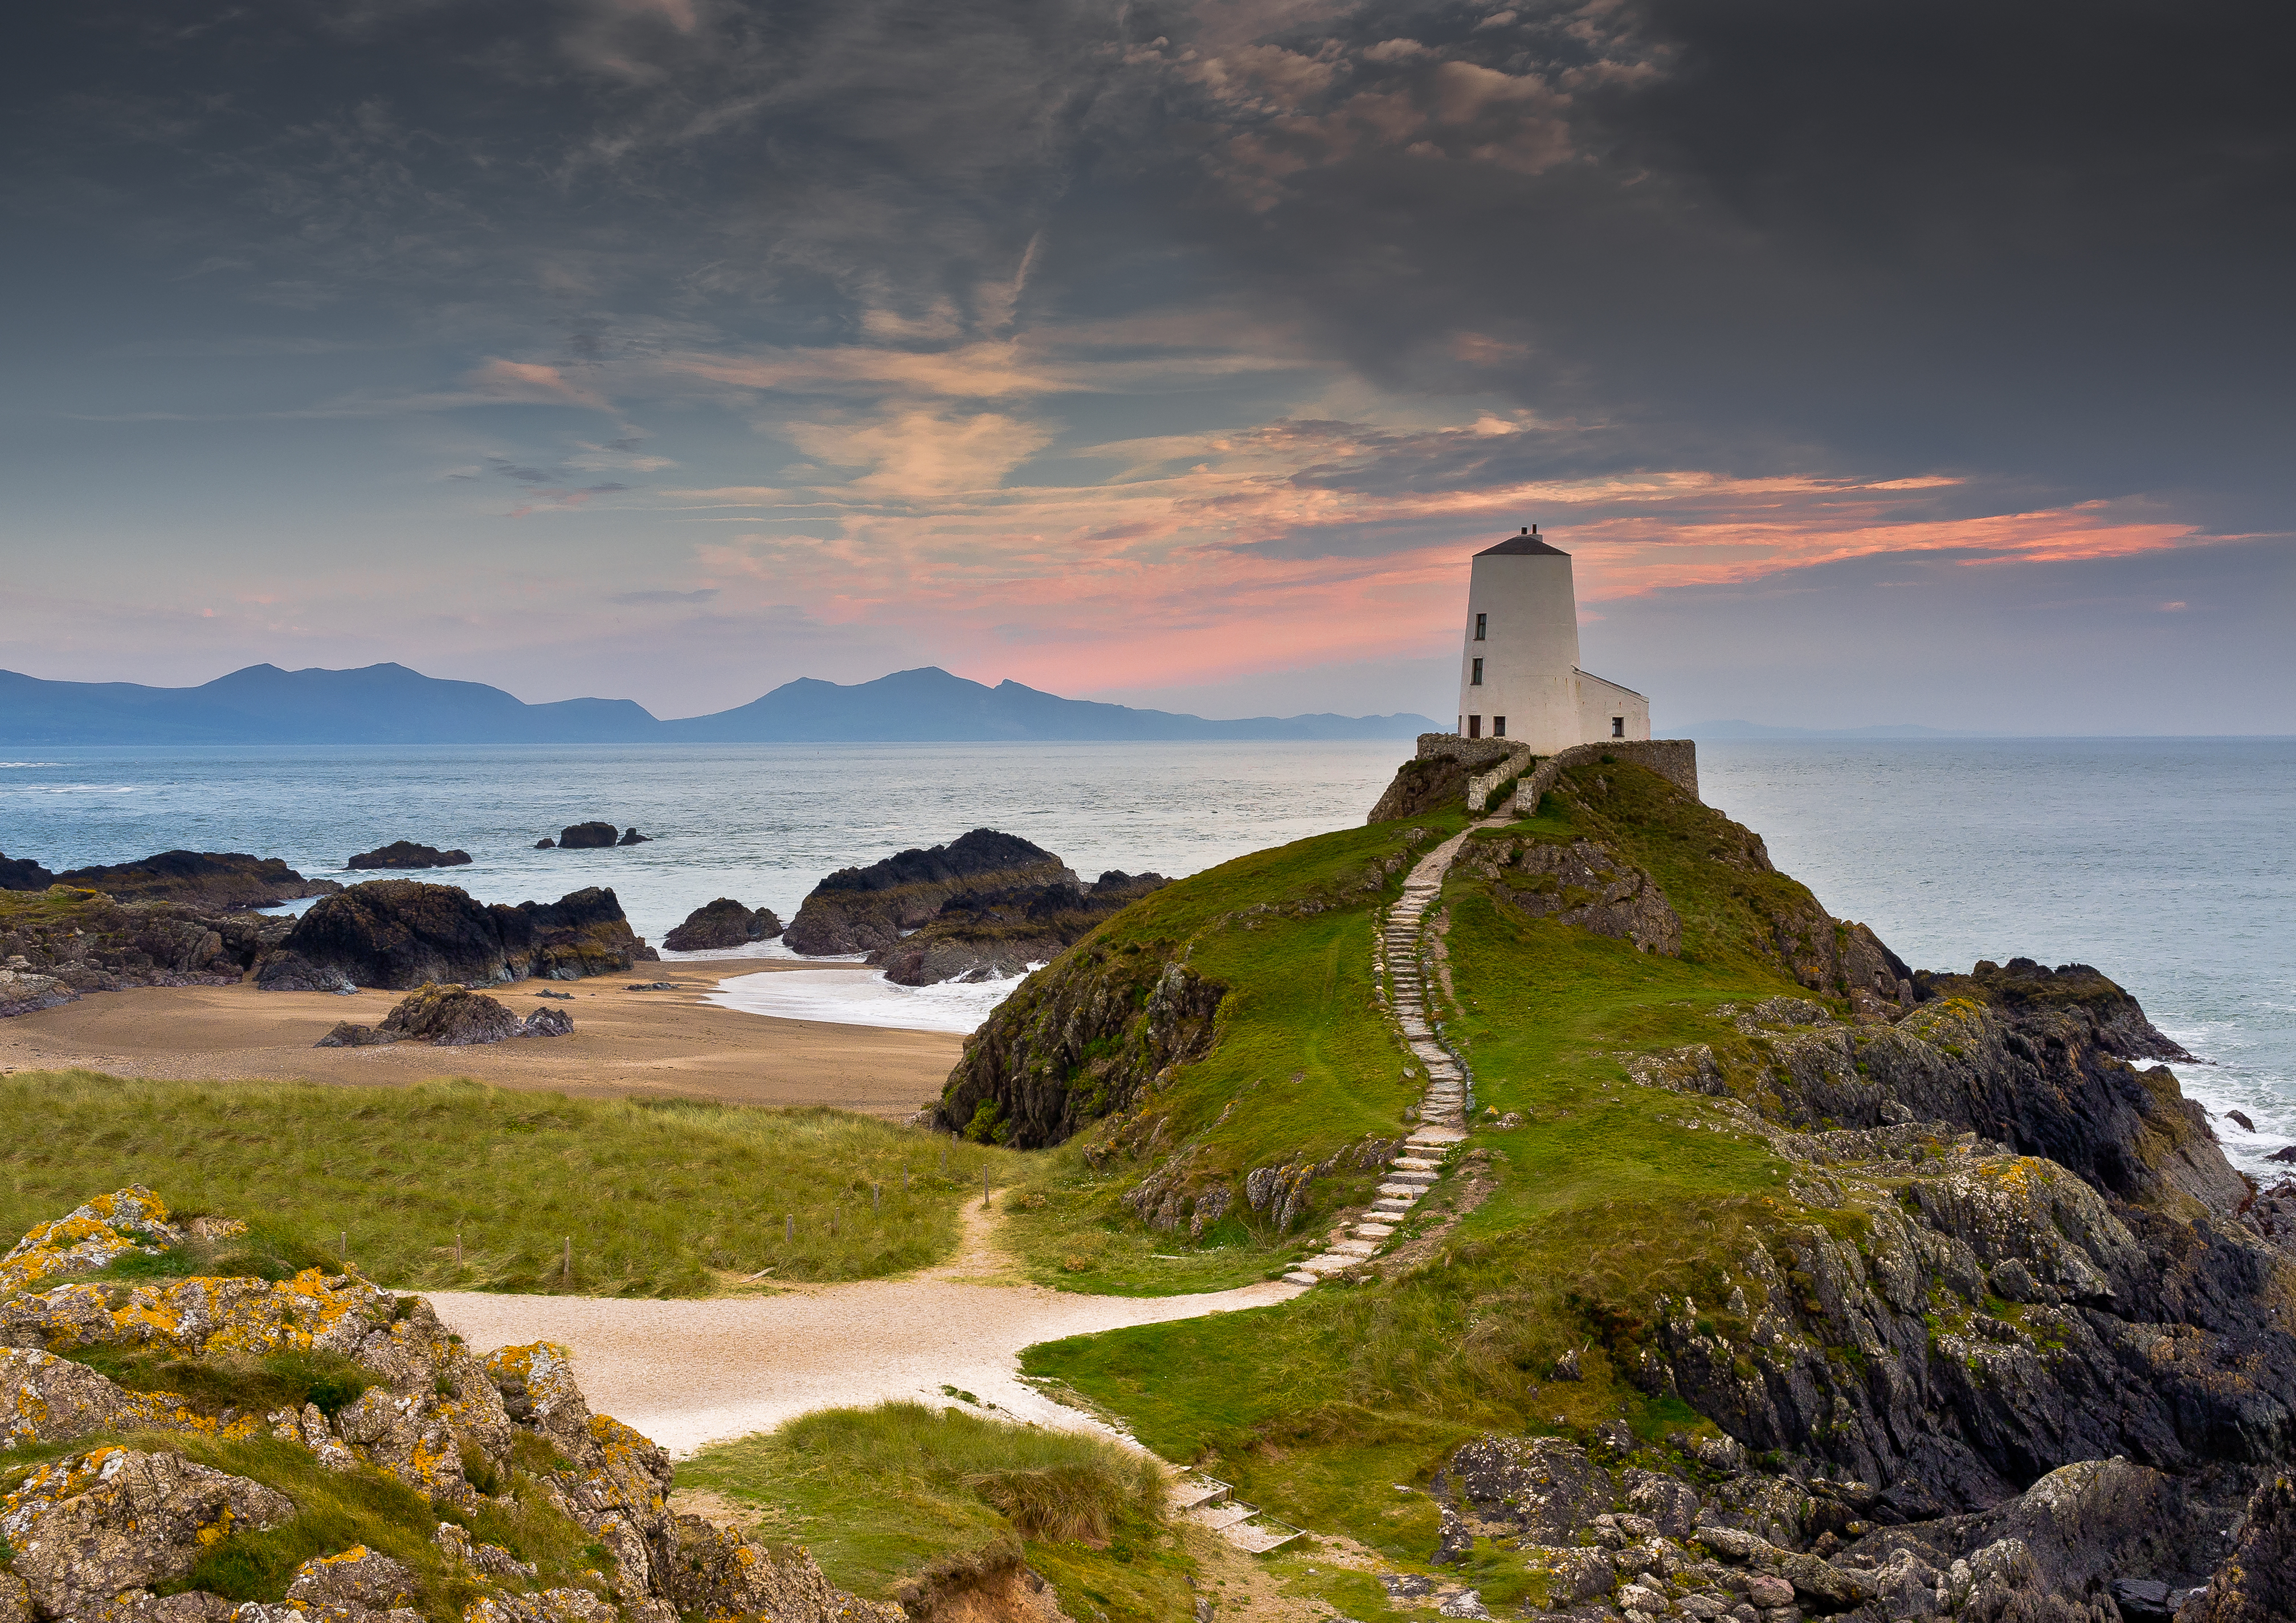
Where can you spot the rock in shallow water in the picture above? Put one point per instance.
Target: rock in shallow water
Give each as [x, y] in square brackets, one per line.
[407, 853]
[722, 923]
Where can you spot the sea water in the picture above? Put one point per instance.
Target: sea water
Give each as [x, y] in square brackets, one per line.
[2166, 863]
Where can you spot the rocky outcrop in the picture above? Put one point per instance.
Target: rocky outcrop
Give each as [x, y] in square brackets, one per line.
[22, 873]
[399, 934]
[91, 1236]
[407, 853]
[631, 836]
[448, 1016]
[721, 924]
[1009, 930]
[1578, 883]
[89, 1528]
[2053, 1262]
[1688, 1529]
[864, 909]
[21, 991]
[1078, 1041]
[585, 836]
[216, 881]
[91, 1535]
[84, 940]
[2257, 1583]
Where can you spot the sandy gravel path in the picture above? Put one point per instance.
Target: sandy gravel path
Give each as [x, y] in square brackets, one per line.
[690, 1373]
[624, 1042]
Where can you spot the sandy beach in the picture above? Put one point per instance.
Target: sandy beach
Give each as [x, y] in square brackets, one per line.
[623, 1042]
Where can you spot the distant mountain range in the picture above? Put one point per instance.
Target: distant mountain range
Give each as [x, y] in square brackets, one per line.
[392, 705]
[1723, 732]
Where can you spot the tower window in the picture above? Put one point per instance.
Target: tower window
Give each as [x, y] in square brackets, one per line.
[1482, 624]
[1498, 727]
[1475, 677]
[1617, 726]
[1474, 727]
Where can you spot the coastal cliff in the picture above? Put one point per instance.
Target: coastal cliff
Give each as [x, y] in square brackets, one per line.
[1734, 1177]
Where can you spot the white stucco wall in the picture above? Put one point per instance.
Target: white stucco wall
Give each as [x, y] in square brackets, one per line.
[1602, 702]
[1530, 650]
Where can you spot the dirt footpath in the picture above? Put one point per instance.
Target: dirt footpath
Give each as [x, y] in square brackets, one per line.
[690, 1373]
[623, 1042]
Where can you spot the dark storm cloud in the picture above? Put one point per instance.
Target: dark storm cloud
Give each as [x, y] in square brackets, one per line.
[2043, 238]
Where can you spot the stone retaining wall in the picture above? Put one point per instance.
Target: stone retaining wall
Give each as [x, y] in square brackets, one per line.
[1675, 760]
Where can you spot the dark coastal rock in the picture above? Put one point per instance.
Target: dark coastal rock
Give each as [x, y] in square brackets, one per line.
[216, 881]
[1004, 931]
[22, 873]
[402, 933]
[2257, 1582]
[545, 844]
[585, 836]
[407, 853]
[861, 910]
[447, 1016]
[2241, 1118]
[631, 836]
[91, 943]
[2286, 1152]
[721, 924]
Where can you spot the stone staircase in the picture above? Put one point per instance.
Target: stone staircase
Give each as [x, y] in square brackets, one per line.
[1401, 973]
[1210, 1503]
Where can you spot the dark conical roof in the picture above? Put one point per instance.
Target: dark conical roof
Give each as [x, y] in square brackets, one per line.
[1523, 545]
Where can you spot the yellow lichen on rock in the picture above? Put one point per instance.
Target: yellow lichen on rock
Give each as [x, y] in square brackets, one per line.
[91, 1236]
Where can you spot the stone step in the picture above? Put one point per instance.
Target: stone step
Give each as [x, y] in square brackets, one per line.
[1405, 1192]
[1375, 1230]
[1218, 1517]
[1258, 1538]
[1391, 1209]
[1296, 1278]
[1189, 1491]
[1438, 1136]
[1413, 1163]
[1352, 1247]
[1421, 1179]
[1326, 1264]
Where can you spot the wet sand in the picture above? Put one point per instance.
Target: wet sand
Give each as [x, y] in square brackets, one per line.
[624, 1042]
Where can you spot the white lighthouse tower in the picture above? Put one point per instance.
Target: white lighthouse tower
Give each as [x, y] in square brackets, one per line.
[1518, 675]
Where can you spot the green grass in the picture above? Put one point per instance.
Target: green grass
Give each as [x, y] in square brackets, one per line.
[879, 1494]
[1606, 1196]
[335, 1509]
[1304, 1066]
[660, 1197]
[288, 1379]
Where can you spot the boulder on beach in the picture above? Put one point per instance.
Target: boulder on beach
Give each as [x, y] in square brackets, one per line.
[212, 880]
[401, 933]
[22, 873]
[447, 1016]
[585, 836]
[722, 923]
[631, 836]
[407, 853]
[861, 910]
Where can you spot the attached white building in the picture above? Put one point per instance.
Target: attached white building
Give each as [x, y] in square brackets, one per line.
[1518, 675]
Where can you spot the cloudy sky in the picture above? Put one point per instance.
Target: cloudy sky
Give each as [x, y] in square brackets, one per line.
[1877, 363]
